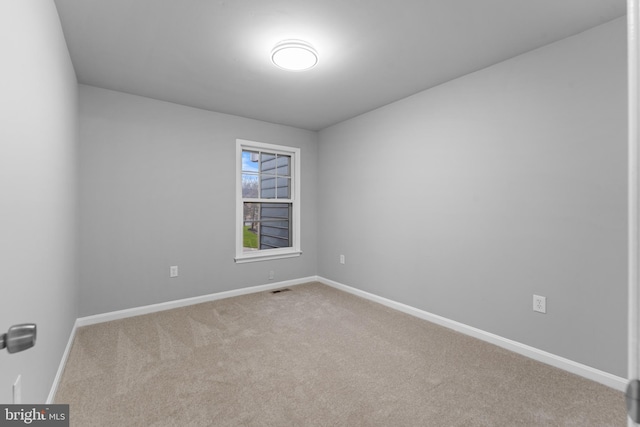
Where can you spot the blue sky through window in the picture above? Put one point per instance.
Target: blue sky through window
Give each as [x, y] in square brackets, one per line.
[249, 165]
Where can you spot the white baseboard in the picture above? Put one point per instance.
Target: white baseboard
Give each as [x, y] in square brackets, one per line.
[585, 371]
[137, 311]
[63, 362]
[588, 372]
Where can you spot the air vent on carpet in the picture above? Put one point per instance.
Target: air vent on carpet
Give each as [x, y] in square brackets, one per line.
[277, 291]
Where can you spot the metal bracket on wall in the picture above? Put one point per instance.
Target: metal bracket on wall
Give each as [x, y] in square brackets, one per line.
[19, 337]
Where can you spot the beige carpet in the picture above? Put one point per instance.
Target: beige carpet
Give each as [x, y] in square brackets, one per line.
[313, 356]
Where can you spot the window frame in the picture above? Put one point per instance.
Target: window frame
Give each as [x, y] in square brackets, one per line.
[276, 253]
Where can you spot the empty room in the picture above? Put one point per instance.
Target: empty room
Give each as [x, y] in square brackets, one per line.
[305, 212]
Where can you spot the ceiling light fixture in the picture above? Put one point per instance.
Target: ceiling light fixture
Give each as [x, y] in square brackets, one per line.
[294, 55]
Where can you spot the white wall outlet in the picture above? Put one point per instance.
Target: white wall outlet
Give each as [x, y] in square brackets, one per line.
[539, 304]
[17, 390]
[272, 275]
[173, 271]
[341, 259]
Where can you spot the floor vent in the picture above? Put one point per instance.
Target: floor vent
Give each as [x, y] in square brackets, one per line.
[280, 290]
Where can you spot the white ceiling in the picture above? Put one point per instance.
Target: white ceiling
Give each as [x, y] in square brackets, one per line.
[215, 54]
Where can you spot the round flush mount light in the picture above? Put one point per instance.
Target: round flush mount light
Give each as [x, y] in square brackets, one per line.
[294, 55]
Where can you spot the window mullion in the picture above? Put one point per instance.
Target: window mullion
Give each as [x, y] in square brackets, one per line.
[259, 174]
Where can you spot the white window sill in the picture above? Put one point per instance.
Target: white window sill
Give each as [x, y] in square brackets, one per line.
[257, 256]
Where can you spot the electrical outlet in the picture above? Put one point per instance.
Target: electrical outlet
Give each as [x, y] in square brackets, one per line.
[539, 304]
[17, 390]
[173, 271]
[272, 275]
[341, 259]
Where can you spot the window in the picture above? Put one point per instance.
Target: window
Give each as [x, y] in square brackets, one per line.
[267, 201]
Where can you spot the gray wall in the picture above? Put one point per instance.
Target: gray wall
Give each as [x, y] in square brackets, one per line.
[466, 199]
[38, 123]
[158, 189]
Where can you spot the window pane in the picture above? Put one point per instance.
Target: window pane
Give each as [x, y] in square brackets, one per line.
[250, 185]
[268, 163]
[251, 227]
[283, 188]
[283, 165]
[250, 161]
[268, 187]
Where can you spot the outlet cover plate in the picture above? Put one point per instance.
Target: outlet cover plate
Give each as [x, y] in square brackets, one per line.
[539, 304]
